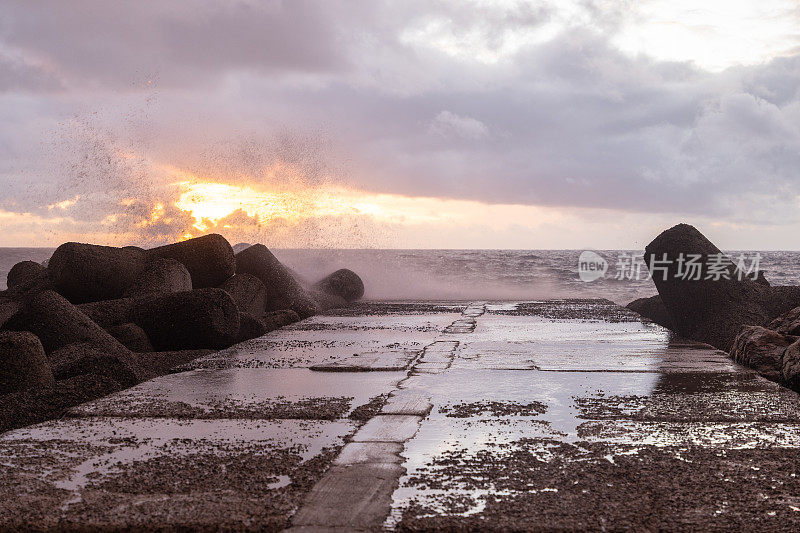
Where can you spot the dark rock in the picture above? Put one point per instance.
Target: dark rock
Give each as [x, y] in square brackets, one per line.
[109, 313]
[58, 323]
[209, 259]
[202, 318]
[159, 363]
[790, 366]
[132, 337]
[761, 349]
[37, 405]
[283, 290]
[26, 287]
[88, 272]
[86, 358]
[250, 327]
[343, 283]
[326, 301]
[788, 323]
[705, 310]
[248, 292]
[23, 362]
[161, 276]
[23, 272]
[8, 308]
[781, 299]
[278, 319]
[654, 309]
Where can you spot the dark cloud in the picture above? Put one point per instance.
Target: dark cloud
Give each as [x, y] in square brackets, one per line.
[184, 42]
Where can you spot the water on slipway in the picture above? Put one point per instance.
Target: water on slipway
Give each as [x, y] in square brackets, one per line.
[558, 414]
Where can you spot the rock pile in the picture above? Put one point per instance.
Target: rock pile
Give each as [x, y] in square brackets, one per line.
[98, 319]
[758, 324]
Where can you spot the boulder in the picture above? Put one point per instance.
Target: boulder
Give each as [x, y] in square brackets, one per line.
[109, 313]
[58, 323]
[343, 283]
[8, 308]
[25, 287]
[654, 309]
[161, 276]
[209, 259]
[132, 337]
[790, 366]
[761, 349]
[325, 300]
[250, 327]
[86, 358]
[788, 323]
[283, 290]
[23, 272]
[781, 299]
[23, 362]
[31, 406]
[201, 318]
[278, 319]
[88, 272]
[706, 310]
[248, 292]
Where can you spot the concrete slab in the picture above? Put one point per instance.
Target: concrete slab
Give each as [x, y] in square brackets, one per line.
[439, 352]
[324, 339]
[388, 428]
[610, 355]
[356, 497]
[370, 362]
[404, 402]
[251, 393]
[370, 453]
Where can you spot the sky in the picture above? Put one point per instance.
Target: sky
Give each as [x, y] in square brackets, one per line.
[414, 124]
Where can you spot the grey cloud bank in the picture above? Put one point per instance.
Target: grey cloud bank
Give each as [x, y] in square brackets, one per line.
[515, 103]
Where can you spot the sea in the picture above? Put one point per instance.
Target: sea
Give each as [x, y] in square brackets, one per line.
[497, 275]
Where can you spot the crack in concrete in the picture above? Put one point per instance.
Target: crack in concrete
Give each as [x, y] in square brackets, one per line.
[356, 492]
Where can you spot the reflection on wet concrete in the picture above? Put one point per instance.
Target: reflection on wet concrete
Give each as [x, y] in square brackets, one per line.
[246, 393]
[566, 415]
[323, 340]
[621, 398]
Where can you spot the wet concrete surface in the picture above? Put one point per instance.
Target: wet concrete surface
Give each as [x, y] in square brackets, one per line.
[551, 415]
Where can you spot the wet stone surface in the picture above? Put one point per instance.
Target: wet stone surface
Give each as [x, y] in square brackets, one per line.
[246, 393]
[540, 416]
[151, 473]
[325, 340]
[570, 309]
[543, 484]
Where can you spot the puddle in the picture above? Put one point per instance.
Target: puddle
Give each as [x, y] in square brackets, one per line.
[247, 393]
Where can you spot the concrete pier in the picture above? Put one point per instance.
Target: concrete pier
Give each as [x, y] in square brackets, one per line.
[569, 414]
